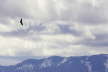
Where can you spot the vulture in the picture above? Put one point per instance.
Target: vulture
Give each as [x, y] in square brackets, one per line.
[21, 22]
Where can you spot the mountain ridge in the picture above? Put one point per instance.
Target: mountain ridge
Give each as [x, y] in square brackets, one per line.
[95, 63]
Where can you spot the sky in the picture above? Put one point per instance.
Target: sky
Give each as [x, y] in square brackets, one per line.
[53, 27]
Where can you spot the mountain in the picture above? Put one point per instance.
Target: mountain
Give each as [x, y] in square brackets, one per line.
[95, 63]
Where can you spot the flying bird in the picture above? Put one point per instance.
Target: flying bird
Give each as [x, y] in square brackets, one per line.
[21, 22]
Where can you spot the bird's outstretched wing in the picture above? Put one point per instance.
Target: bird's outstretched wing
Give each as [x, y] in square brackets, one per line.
[21, 22]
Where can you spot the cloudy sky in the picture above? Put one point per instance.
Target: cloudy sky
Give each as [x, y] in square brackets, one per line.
[53, 27]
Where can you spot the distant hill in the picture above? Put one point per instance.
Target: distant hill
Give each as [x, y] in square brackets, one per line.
[95, 63]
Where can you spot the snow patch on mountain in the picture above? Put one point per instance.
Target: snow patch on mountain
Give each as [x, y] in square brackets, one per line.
[26, 66]
[63, 61]
[46, 63]
[88, 65]
[106, 65]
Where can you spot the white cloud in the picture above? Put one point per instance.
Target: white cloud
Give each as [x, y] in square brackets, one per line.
[51, 27]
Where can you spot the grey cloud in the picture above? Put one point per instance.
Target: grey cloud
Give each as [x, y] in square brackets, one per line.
[93, 15]
[65, 10]
[62, 10]
[100, 41]
[13, 9]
